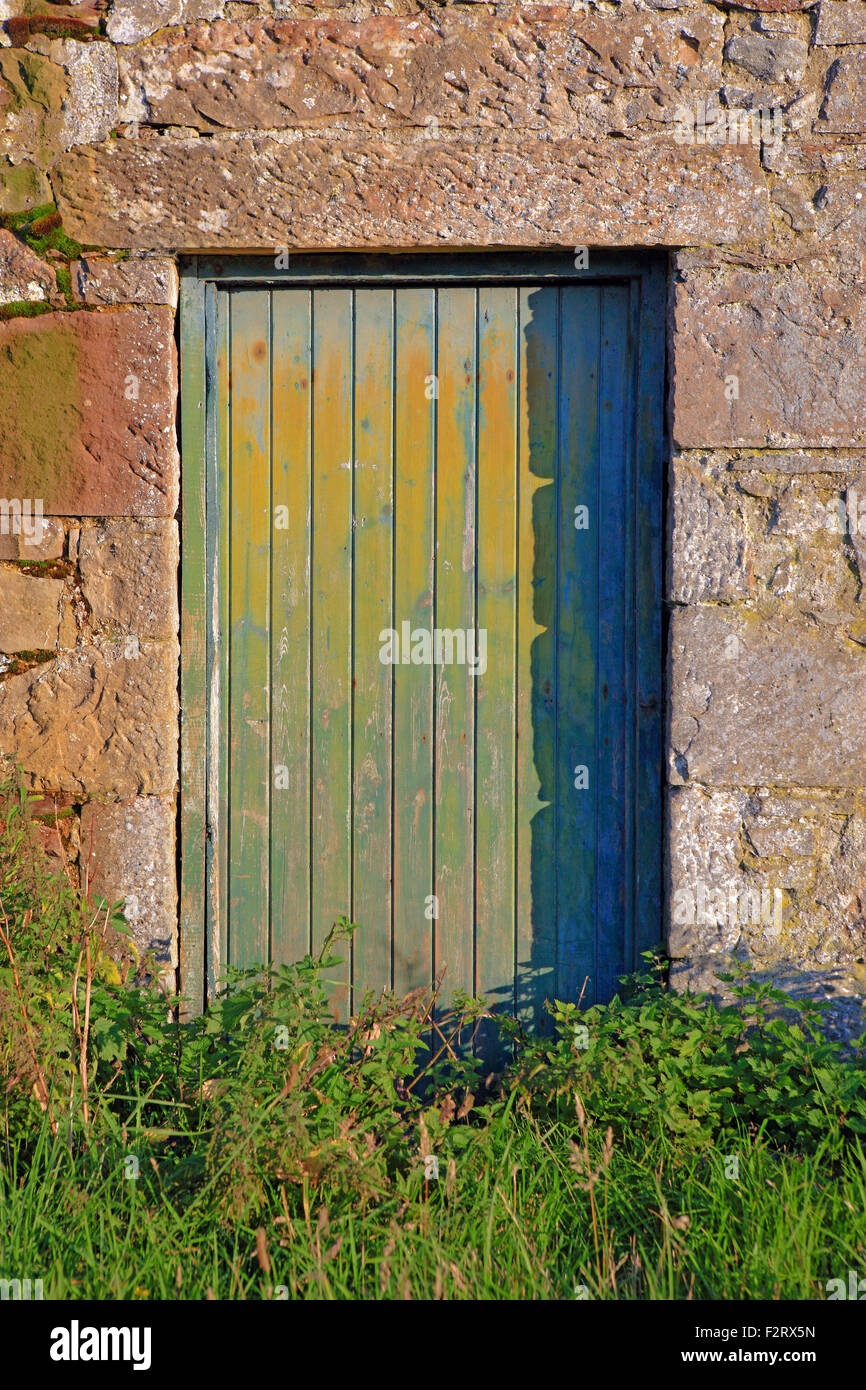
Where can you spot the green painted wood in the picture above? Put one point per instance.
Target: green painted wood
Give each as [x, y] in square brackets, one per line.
[431, 466]
[291, 538]
[577, 643]
[249, 616]
[456, 448]
[373, 679]
[218, 482]
[495, 709]
[414, 319]
[194, 626]
[535, 888]
[332, 621]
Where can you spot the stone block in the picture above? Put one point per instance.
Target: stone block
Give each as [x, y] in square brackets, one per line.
[769, 57]
[731, 851]
[29, 612]
[261, 192]
[775, 542]
[54, 94]
[128, 851]
[96, 721]
[40, 539]
[102, 442]
[772, 702]
[769, 357]
[90, 109]
[97, 281]
[840, 22]
[844, 108]
[133, 20]
[532, 69]
[22, 188]
[129, 576]
[23, 274]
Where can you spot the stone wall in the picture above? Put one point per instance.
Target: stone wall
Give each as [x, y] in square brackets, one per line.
[159, 127]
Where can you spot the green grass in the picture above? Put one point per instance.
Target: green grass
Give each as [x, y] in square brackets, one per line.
[653, 1148]
[511, 1223]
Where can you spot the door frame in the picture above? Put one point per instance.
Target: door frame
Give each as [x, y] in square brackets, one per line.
[645, 274]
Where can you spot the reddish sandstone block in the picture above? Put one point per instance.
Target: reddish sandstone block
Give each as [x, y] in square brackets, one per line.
[320, 193]
[769, 357]
[101, 441]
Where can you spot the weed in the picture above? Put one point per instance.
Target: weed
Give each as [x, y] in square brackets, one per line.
[656, 1147]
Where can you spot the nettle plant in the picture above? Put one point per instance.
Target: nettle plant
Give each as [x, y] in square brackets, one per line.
[679, 1067]
[267, 1103]
[295, 1099]
[69, 1022]
[261, 1092]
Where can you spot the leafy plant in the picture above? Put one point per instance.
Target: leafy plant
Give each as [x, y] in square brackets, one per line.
[674, 1065]
[654, 1147]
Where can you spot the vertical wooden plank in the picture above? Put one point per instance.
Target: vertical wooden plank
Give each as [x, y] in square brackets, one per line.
[496, 618]
[535, 887]
[577, 644]
[219, 629]
[193, 636]
[331, 892]
[413, 606]
[649, 300]
[455, 612]
[372, 583]
[290, 625]
[614, 680]
[249, 699]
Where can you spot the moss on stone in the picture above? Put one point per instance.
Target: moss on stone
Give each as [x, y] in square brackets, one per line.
[21, 189]
[64, 281]
[23, 309]
[41, 226]
[25, 661]
[41, 230]
[41, 439]
[14, 221]
[54, 26]
[47, 569]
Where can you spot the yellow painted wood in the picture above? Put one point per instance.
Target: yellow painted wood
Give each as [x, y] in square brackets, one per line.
[331, 620]
[455, 610]
[497, 614]
[249, 704]
[291, 523]
[220, 740]
[413, 588]
[372, 576]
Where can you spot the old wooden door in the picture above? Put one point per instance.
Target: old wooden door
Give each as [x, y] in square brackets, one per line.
[422, 619]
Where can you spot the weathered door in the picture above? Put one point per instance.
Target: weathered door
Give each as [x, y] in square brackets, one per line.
[430, 518]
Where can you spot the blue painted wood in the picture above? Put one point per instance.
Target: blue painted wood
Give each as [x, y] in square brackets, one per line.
[581, 526]
[614, 696]
[570, 416]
